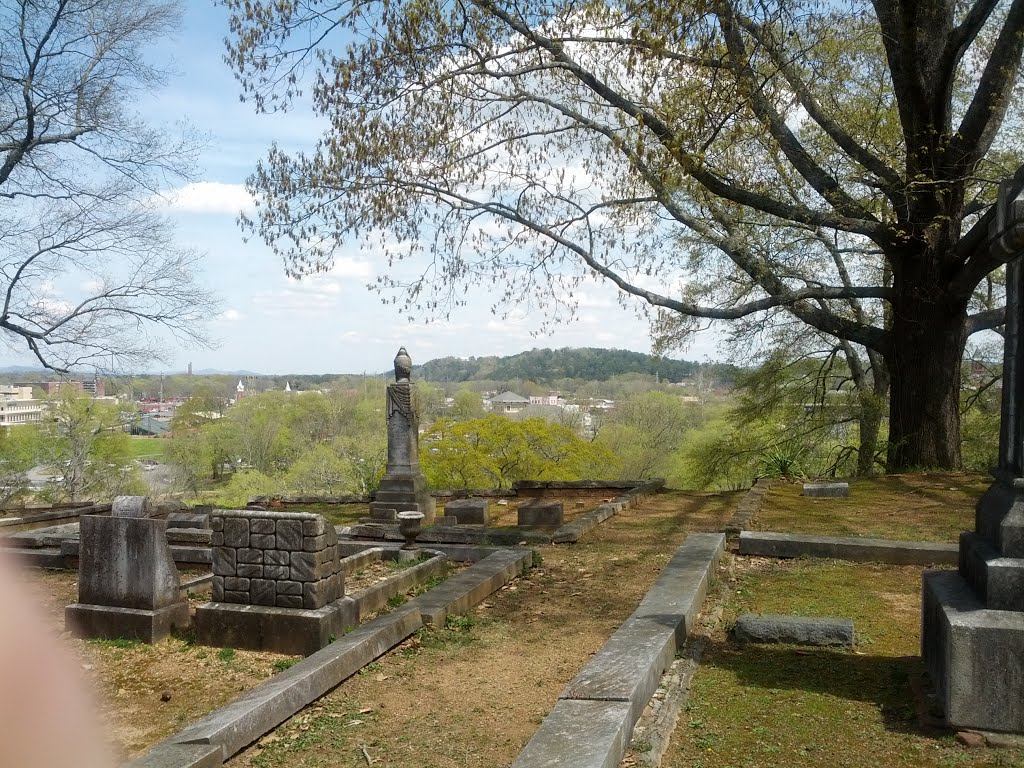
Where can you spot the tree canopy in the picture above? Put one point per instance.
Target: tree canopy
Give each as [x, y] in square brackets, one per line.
[88, 266]
[717, 160]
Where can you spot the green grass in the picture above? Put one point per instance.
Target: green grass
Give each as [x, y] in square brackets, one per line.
[147, 447]
[923, 507]
[121, 643]
[785, 706]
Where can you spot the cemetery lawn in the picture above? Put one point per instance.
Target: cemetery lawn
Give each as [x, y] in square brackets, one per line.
[474, 692]
[781, 705]
[922, 507]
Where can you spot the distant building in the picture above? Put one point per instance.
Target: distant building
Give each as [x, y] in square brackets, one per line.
[19, 407]
[506, 402]
[95, 387]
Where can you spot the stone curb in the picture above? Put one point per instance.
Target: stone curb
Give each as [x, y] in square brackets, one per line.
[241, 722]
[452, 535]
[47, 519]
[375, 597]
[573, 531]
[860, 550]
[590, 725]
[749, 506]
[464, 590]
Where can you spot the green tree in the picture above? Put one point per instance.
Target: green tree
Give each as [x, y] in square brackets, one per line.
[19, 447]
[740, 157]
[319, 471]
[467, 405]
[495, 451]
[85, 448]
[645, 431]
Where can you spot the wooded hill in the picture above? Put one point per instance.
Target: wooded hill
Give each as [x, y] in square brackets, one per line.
[548, 365]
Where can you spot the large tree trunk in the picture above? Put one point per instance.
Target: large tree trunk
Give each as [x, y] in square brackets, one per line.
[928, 339]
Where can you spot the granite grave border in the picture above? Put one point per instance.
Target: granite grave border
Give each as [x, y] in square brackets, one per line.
[852, 548]
[591, 723]
[214, 738]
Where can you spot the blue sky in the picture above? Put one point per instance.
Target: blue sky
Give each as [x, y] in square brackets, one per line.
[330, 323]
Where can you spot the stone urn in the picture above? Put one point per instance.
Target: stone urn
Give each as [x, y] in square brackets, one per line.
[409, 526]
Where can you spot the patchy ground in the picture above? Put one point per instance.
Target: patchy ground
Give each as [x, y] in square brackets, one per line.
[781, 705]
[474, 692]
[923, 507]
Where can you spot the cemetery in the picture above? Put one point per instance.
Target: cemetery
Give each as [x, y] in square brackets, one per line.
[556, 623]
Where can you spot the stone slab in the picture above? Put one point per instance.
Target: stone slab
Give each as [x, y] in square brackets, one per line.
[170, 755]
[828, 490]
[460, 592]
[629, 666]
[188, 520]
[360, 560]
[795, 630]
[767, 544]
[541, 514]
[468, 511]
[297, 631]
[974, 656]
[39, 557]
[375, 597]
[263, 708]
[576, 529]
[189, 536]
[579, 734]
[110, 622]
[454, 535]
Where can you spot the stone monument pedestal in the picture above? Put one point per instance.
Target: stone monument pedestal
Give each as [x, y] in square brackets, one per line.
[972, 620]
[128, 584]
[972, 628]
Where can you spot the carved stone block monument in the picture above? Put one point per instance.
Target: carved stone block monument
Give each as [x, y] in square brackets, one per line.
[277, 583]
[972, 637]
[403, 489]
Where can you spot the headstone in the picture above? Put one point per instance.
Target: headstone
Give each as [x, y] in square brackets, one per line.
[829, 490]
[541, 514]
[130, 506]
[972, 633]
[277, 582]
[795, 630]
[128, 585]
[468, 511]
[403, 488]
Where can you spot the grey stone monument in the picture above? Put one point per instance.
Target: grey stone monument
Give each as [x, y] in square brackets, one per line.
[403, 489]
[128, 585]
[972, 629]
[277, 583]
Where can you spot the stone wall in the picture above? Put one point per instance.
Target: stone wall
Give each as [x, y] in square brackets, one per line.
[281, 559]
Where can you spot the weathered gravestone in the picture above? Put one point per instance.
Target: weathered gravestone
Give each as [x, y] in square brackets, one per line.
[827, 490]
[403, 488]
[468, 511]
[972, 637]
[128, 585]
[541, 514]
[277, 583]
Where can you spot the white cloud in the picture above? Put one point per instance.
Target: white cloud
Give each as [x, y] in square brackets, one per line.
[210, 197]
[231, 315]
